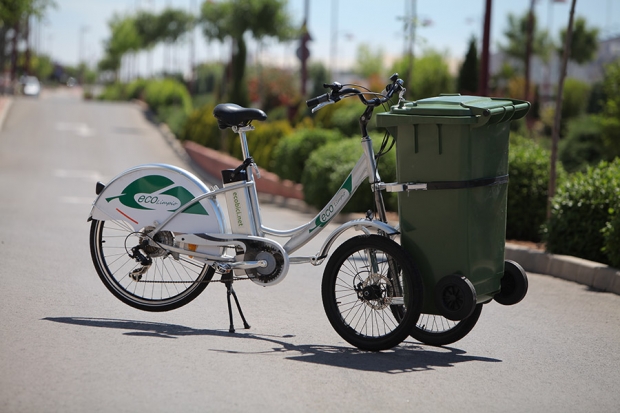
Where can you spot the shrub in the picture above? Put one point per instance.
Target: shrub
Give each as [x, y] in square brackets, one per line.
[575, 98]
[324, 117]
[346, 118]
[292, 152]
[135, 89]
[201, 127]
[167, 92]
[582, 213]
[328, 167]
[262, 141]
[574, 103]
[611, 234]
[583, 145]
[527, 189]
[113, 91]
[174, 117]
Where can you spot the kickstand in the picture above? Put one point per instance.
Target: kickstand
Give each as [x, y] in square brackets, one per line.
[230, 291]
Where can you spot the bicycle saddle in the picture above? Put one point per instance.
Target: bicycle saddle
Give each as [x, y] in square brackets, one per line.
[231, 114]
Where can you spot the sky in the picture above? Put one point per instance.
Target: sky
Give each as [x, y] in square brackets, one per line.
[76, 29]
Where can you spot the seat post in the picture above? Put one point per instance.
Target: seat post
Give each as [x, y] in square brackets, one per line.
[243, 139]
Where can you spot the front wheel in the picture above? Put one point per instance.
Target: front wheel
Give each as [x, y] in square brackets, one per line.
[372, 292]
[169, 282]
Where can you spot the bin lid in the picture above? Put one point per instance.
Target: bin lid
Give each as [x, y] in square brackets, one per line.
[456, 108]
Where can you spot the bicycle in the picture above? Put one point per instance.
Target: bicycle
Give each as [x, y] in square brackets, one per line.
[159, 235]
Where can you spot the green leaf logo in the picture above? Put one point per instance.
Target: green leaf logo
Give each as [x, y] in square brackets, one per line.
[156, 192]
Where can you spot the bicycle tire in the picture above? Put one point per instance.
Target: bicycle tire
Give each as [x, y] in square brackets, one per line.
[436, 330]
[168, 283]
[362, 302]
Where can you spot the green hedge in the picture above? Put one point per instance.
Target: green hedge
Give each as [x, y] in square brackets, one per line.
[583, 145]
[135, 89]
[329, 166]
[611, 234]
[262, 141]
[167, 92]
[584, 213]
[527, 189]
[113, 91]
[201, 127]
[159, 94]
[292, 152]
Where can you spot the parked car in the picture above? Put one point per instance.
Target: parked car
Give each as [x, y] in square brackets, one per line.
[32, 87]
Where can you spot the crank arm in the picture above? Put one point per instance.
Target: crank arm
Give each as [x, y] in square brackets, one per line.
[226, 267]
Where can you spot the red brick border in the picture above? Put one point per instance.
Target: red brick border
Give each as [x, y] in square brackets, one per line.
[212, 162]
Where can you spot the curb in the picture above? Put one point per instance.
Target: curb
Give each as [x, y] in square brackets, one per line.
[592, 274]
[5, 105]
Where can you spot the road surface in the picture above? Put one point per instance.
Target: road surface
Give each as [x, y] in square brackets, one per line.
[67, 345]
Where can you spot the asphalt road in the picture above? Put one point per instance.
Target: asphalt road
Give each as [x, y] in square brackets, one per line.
[67, 345]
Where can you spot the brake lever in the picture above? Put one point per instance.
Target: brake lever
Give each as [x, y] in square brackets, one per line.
[322, 105]
[256, 170]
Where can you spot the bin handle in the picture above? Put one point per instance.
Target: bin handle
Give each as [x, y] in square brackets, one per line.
[517, 110]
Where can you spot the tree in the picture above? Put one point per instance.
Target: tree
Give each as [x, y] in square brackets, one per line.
[147, 27]
[318, 74]
[369, 62]
[124, 39]
[142, 32]
[430, 77]
[610, 119]
[468, 74]
[14, 17]
[584, 42]
[231, 19]
[516, 36]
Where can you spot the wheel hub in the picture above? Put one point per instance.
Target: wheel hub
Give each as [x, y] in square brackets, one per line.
[374, 291]
[153, 248]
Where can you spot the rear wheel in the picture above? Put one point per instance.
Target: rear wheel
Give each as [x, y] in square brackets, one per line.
[167, 283]
[437, 330]
[372, 292]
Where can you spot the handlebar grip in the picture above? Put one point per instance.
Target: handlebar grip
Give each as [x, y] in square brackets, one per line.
[317, 100]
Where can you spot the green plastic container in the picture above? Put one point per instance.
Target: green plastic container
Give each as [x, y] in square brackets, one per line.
[457, 146]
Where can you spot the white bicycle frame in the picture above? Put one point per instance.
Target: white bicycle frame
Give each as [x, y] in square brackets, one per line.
[365, 167]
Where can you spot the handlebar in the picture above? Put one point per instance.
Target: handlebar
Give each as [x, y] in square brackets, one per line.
[338, 93]
[317, 100]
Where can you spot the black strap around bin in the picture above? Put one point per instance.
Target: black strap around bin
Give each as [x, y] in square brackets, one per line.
[473, 183]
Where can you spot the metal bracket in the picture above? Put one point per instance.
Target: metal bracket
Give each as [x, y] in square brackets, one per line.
[396, 187]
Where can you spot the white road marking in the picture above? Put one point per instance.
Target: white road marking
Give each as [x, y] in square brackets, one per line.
[80, 129]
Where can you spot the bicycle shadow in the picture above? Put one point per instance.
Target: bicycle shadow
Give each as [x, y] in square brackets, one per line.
[407, 357]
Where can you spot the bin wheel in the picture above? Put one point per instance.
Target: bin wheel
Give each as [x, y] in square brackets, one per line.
[455, 297]
[513, 285]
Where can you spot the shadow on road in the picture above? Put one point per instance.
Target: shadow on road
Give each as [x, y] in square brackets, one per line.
[407, 357]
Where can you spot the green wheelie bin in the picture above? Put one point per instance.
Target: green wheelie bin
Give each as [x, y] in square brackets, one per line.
[452, 180]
